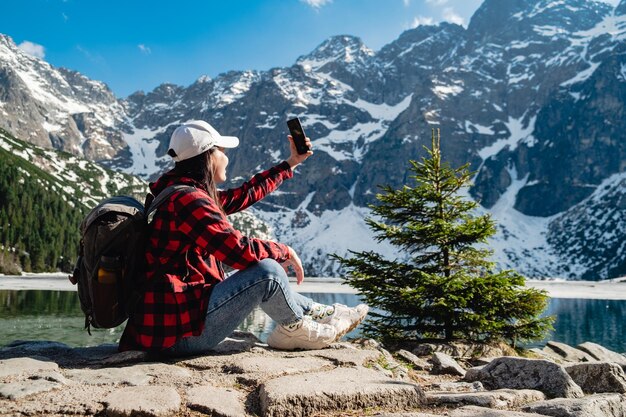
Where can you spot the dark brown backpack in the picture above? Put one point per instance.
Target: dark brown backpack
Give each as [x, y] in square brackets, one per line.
[110, 266]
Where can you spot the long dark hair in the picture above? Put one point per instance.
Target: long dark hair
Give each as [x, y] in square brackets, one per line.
[200, 168]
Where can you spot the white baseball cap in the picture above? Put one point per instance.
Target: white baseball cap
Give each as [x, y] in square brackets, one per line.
[196, 136]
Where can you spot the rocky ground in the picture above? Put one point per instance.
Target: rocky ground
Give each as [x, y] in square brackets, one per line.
[244, 377]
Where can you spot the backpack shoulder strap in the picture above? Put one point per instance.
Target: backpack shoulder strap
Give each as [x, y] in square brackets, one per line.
[165, 194]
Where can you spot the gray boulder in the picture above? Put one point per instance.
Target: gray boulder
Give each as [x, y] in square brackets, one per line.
[602, 354]
[444, 364]
[505, 398]
[417, 362]
[569, 353]
[520, 373]
[597, 377]
[598, 405]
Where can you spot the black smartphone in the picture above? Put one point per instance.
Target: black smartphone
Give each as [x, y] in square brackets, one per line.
[297, 133]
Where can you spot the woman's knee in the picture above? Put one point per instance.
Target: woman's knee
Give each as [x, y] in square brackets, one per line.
[272, 269]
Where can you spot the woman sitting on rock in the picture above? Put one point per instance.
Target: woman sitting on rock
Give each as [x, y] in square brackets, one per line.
[188, 305]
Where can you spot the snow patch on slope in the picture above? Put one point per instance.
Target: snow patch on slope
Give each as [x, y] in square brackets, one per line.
[143, 145]
[517, 132]
[520, 241]
[361, 135]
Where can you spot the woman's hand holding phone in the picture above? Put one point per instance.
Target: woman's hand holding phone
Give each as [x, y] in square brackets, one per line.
[295, 158]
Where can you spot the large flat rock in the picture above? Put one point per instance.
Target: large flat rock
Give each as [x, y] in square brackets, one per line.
[268, 366]
[598, 405]
[140, 374]
[26, 365]
[153, 401]
[339, 389]
[70, 400]
[20, 389]
[520, 373]
[504, 398]
[214, 401]
[475, 411]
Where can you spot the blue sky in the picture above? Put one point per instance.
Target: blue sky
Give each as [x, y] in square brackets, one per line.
[137, 45]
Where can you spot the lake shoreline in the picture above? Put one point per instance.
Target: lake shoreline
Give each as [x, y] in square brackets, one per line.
[594, 290]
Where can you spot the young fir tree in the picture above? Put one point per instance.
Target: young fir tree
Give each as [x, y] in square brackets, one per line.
[445, 287]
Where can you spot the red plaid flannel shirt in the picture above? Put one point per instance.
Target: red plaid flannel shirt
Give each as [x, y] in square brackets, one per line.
[189, 240]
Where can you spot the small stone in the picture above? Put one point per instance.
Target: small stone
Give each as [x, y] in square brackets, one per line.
[151, 401]
[425, 349]
[521, 373]
[492, 399]
[569, 353]
[597, 377]
[444, 364]
[475, 411]
[417, 362]
[597, 405]
[465, 350]
[338, 390]
[371, 343]
[223, 402]
[17, 366]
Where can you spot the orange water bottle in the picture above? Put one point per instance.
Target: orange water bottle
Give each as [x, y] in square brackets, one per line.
[108, 272]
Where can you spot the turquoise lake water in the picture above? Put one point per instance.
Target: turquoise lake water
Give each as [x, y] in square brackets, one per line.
[56, 316]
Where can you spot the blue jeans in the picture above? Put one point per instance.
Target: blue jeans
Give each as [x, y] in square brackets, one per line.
[232, 300]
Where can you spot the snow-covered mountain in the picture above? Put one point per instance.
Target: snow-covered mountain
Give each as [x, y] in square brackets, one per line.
[532, 93]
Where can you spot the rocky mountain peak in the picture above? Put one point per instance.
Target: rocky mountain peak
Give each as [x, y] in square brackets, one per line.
[620, 10]
[7, 41]
[495, 18]
[341, 48]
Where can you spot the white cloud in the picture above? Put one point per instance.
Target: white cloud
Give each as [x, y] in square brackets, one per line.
[65, 17]
[316, 4]
[407, 3]
[437, 2]
[421, 20]
[451, 16]
[144, 49]
[33, 49]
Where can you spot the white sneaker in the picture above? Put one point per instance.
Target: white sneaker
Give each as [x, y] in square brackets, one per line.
[306, 335]
[344, 318]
